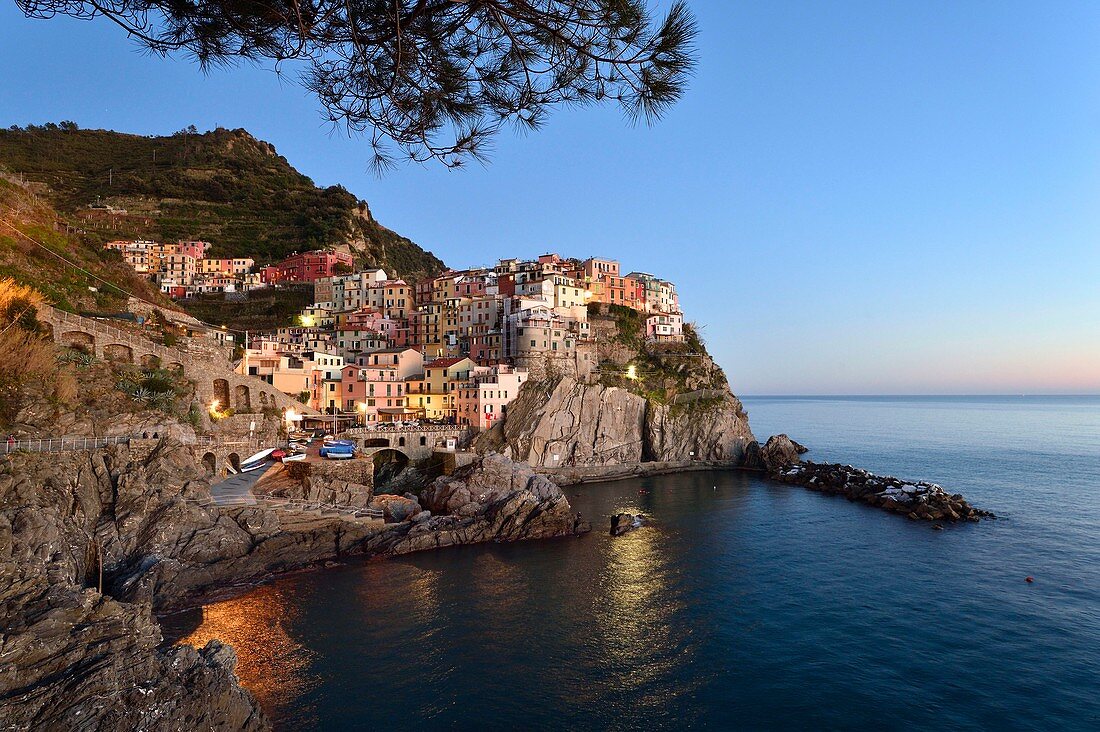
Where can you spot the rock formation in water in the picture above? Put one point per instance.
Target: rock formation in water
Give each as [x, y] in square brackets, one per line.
[918, 500]
[777, 453]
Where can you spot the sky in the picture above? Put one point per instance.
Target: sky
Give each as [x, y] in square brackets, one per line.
[852, 198]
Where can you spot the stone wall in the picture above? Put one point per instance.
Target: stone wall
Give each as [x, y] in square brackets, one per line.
[549, 366]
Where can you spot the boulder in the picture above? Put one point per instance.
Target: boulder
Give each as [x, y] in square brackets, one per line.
[395, 508]
[779, 452]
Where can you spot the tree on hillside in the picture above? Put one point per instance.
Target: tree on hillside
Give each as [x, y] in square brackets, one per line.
[429, 79]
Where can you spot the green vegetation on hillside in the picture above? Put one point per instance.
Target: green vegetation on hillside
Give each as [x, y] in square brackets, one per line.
[223, 186]
[263, 310]
[660, 372]
[60, 283]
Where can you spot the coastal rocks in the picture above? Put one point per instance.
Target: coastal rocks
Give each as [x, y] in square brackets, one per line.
[345, 482]
[917, 500]
[778, 452]
[138, 523]
[621, 523]
[78, 659]
[396, 508]
[493, 499]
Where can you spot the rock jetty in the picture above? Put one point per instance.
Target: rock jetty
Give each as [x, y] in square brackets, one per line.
[918, 500]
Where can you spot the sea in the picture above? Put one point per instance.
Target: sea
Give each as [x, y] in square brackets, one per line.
[741, 604]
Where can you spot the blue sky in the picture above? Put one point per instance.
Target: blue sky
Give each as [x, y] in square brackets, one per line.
[858, 197]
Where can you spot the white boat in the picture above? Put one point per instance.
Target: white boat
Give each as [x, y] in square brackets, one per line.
[255, 462]
[294, 456]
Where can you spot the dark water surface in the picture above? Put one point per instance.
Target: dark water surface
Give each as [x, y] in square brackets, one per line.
[743, 604]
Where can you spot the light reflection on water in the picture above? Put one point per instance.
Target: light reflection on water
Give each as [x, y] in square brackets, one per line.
[744, 604]
[271, 663]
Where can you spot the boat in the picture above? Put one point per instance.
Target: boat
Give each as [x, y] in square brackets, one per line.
[257, 461]
[294, 456]
[338, 449]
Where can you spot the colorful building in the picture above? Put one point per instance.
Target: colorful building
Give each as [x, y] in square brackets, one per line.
[307, 267]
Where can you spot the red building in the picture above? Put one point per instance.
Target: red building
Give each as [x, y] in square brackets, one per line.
[306, 267]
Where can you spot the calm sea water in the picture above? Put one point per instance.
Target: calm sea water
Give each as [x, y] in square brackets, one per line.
[743, 604]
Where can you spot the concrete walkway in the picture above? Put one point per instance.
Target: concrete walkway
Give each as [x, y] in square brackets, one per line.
[238, 488]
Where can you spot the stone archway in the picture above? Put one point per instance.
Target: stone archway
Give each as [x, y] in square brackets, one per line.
[242, 398]
[221, 393]
[234, 460]
[118, 352]
[149, 361]
[210, 462]
[388, 463]
[79, 340]
[176, 366]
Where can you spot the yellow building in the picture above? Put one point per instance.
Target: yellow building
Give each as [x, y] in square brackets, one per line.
[435, 396]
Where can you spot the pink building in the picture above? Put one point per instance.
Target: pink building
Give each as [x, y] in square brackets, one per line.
[483, 399]
[196, 249]
[665, 327]
[376, 393]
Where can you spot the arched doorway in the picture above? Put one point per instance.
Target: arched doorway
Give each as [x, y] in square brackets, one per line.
[79, 340]
[210, 462]
[150, 361]
[235, 461]
[242, 401]
[388, 463]
[221, 393]
[118, 352]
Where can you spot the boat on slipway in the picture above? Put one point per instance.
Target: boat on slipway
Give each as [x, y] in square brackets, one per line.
[257, 461]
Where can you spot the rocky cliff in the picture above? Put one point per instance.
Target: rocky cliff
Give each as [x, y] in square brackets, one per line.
[75, 658]
[647, 402]
[137, 526]
[570, 423]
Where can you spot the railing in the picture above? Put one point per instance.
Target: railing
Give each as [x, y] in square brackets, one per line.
[61, 444]
[208, 441]
[358, 431]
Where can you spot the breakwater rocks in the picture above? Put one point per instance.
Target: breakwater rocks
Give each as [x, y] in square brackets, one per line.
[917, 500]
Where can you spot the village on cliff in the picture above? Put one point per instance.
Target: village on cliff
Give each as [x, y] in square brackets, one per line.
[452, 349]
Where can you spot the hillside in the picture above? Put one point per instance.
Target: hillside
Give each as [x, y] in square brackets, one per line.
[23, 209]
[224, 186]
